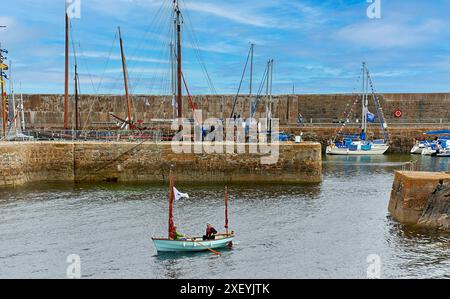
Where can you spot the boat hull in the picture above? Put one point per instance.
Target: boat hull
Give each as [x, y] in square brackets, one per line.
[165, 245]
[417, 150]
[375, 151]
[428, 152]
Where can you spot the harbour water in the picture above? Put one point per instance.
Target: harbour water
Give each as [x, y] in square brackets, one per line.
[326, 230]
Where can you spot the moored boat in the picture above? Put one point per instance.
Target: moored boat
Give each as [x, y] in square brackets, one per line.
[359, 144]
[418, 148]
[440, 145]
[357, 148]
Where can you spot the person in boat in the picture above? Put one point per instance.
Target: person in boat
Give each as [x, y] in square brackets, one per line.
[210, 232]
[363, 135]
[177, 236]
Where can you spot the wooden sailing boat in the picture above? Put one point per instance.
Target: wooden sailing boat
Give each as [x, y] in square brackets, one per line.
[126, 123]
[192, 244]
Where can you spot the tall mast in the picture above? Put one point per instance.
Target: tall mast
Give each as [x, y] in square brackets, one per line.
[269, 94]
[173, 79]
[179, 70]
[22, 113]
[76, 100]
[364, 112]
[2, 79]
[252, 49]
[66, 77]
[171, 230]
[125, 78]
[226, 209]
[12, 106]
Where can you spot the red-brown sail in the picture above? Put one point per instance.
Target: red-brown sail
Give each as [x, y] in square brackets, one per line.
[226, 209]
[171, 200]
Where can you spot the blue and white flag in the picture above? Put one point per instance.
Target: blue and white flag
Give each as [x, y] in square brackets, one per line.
[179, 195]
[370, 117]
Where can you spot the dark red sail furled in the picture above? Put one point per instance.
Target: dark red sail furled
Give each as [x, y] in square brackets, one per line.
[171, 200]
[226, 209]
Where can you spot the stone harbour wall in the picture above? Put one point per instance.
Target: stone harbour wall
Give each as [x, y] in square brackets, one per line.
[411, 192]
[46, 111]
[22, 162]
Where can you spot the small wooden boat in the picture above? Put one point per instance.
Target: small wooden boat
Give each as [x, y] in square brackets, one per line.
[192, 244]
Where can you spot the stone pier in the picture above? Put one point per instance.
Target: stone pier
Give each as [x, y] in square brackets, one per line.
[411, 192]
[22, 162]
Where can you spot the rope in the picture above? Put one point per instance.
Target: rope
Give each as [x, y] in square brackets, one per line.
[199, 56]
[240, 84]
[190, 99]
[381, 116]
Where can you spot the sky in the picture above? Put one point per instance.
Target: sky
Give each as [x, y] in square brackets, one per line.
[317, 46]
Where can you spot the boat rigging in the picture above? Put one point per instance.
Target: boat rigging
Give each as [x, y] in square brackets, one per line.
[359, 144]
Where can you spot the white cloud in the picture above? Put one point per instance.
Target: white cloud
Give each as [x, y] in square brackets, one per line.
[239, 15]
[381, 34]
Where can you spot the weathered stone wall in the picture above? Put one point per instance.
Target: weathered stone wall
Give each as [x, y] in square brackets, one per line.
[410, 194]
[27, 162]
[46, 111]
[151, 162]
[437, 211]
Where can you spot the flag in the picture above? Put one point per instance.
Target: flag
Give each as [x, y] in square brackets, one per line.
[370, 117]
[4, 66]
[179, 195]
[174, 103]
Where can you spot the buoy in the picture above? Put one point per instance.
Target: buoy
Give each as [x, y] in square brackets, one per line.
[398, 113]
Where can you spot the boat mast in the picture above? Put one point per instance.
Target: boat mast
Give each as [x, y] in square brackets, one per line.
[226, 210]
[269, 94]
[252, 50]
[171, 200]
[12, 107]
[76, 99]
[173, 79]
[2, 79]
[364, 100]
[66, 77]
[22, 113]
[179, 70]
[125, 78]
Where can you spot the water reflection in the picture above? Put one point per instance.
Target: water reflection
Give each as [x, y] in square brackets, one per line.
[322, 230]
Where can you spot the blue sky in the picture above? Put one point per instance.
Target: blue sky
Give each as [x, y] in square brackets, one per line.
[316, 45]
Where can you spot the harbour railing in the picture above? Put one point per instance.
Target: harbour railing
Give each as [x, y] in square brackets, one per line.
[90, 135]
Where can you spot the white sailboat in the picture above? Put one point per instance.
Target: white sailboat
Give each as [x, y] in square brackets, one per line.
[359, 144]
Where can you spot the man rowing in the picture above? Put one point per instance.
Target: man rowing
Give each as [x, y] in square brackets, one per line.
[210, 232]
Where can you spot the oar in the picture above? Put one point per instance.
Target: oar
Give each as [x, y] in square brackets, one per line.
[213, 251]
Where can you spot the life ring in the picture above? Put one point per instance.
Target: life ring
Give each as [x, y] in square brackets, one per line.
[398, 113]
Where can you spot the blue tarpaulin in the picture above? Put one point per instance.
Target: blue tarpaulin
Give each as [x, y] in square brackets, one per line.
[441, 132]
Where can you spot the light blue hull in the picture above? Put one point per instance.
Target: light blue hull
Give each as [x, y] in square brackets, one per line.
[165, 245]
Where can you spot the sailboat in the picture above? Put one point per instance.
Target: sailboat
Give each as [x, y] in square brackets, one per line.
[192, 244]
[359, 144]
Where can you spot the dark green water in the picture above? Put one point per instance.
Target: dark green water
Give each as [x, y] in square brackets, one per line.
[305, 231]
